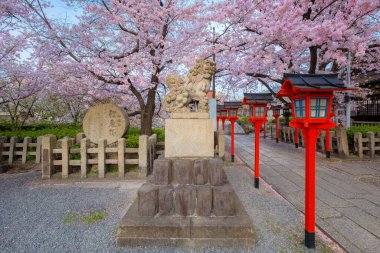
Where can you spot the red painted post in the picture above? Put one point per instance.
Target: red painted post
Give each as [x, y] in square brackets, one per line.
[232, 140]
[310, 137]
[328, 143]
[217, 124]
[223, 120]
[296, 137]
[257, 153]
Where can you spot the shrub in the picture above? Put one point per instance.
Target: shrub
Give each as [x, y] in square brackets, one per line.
[361, 129]
[243, 119]
[68, 129]
[160, 133]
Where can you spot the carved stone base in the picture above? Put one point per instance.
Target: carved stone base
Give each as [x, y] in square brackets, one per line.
[197, 207]
[189, 138]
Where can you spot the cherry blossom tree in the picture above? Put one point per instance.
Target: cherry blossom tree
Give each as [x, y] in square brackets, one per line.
[263, 39]
[125, 47]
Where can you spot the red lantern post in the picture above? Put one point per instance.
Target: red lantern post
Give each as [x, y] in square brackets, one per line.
[232, 112]
[258, 111]
[276, 109]
[311, 97]
[219, 109]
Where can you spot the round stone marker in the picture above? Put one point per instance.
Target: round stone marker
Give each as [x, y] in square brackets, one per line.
[106, 121]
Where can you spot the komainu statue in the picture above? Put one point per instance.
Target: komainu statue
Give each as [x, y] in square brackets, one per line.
[190, 94]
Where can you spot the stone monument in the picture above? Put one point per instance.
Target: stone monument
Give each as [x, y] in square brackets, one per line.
[187, 201]
[189, 132]
[105, 121]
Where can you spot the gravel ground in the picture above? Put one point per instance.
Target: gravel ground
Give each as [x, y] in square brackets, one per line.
[32, 216]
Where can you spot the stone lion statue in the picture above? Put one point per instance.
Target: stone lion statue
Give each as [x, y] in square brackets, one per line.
[192, 90]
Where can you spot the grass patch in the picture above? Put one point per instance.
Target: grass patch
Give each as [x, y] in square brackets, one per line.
[112, 168]
[87, 218]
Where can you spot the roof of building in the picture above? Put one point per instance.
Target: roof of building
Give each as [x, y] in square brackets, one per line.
[258, 97]
[315, 81]
[219, 107]
[232, 104]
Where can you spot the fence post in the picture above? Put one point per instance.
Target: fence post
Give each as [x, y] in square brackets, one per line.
[143, 153]
[152, 150]
[48, 142]
[322, 140]
[66, 144]
[12, 146]
[371, 143]
[101, 158]
[83, 157]
[341, 136]
[25, 145]
[358, 140]
[79, 137]
[121, 156]
[38, 149]
[292, 138]
[2, 141]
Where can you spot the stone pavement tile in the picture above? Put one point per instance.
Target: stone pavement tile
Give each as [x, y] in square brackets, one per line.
[366, 168]
[368, 222]
[281, 184]
[367, 205]
[269, 173]
[325, 211]
[338, 237]
[363, 239]
[293, 177]
[373, 198]
[344, 189]
[331, 199]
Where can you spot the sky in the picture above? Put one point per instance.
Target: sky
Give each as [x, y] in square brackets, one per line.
[61, 11]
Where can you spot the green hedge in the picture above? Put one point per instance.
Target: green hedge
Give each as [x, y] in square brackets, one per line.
[68, 129]
[362, 129]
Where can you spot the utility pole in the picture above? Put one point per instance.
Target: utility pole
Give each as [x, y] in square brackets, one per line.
[347, 97]
[213, 58]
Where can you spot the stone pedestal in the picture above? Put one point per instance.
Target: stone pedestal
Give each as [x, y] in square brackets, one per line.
[189, 135]
[187, 202]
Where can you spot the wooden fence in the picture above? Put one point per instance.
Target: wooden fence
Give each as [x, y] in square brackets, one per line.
[338, 140]
[367, 145]
[68, 155]
[12, 151]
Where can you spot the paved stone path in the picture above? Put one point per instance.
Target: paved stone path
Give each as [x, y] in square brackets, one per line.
[348, 192]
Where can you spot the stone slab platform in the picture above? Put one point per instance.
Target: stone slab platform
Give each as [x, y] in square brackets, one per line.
[229, 231]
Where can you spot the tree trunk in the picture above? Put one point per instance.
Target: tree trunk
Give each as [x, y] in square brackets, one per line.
[148, 113]
[313, 59]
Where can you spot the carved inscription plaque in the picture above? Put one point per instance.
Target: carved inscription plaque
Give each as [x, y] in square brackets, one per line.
[107, 121]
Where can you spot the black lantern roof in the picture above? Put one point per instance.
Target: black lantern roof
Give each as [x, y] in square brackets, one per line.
[258, 97]
[232, 105]
[276, 106]
[315, 81]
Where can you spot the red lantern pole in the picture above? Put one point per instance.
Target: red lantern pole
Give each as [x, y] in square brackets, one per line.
[296, 137]
[232, 140]
[310, 137]
[257, 153]
[328, 143]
